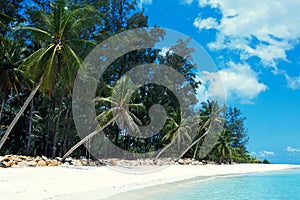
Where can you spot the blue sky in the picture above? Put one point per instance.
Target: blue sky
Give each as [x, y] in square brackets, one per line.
[255, 45]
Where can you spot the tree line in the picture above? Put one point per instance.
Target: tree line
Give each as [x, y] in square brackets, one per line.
[43, 44]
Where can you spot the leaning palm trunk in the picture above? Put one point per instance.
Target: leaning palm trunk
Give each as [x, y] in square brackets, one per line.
[195, 142]
[17, 117]
[165, 148]
[195, 152]
[88, 137]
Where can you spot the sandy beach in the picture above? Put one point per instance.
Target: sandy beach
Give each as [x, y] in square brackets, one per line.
[104, 182]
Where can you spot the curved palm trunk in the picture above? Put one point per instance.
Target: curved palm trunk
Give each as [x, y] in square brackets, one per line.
[17, 117]
[88, 137]
[165, 148]
[195, 142]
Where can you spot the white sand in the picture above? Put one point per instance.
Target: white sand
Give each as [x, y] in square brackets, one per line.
[103, 182]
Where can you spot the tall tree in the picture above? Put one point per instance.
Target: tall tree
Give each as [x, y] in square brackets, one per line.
[118, 113]
[56, 60]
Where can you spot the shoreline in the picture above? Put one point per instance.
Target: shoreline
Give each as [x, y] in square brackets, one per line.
[104, 182]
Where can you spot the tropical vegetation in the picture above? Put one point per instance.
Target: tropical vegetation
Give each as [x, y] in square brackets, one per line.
[43, 44]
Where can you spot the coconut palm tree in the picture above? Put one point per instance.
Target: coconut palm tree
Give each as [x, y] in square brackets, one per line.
[212, 121]
[178, 129]
[119, 112]
[11, 77]
[223, 146]
[57, 59]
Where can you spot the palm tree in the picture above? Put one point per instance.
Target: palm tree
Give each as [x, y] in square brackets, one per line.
[212, 122]
[178, 129]
[56, 60]
[118, 112]
[223, 146]
[11, 78]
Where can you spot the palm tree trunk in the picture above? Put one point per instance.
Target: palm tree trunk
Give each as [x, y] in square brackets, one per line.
[2, 107]
[66, 131]
[195, 152]
[195, 142]
[29, 128]
[17, 117]
[57, 126]
[166, 147]
[88, 137]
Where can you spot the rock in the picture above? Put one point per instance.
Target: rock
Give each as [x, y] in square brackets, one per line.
[181, 161]
[15, 166]
[42, 163]
[113, 162]
[17, 159]
[3, 165]
[84, 161]
[58, 158]
[22, 164]
[31, 164]
[48, 162]
[38, 158]
[66, 164]
[44, 158]
[28, 158]
[195, 162]
[69, 159]
[53, 163]
[76, 163]
[188, 161]
[10, 163]
[6, 158]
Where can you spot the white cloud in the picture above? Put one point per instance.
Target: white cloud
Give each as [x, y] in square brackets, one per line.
[238, 80]
[266, 153]
[207, 23]
[186, 2]
[293, 82]
[142, 2]
[292, 150]
[265, 29]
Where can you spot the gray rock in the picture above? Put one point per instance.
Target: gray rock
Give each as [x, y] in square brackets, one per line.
[3, 165]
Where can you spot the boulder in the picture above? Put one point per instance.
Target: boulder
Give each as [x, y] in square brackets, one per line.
[42, 163]
[44, 158]
[113, 162]
[31, 164]
[181, 161]
[10, 163]
[22, 164]
[76, 163]
[3, 165]
[195, 162]
[53, 163]
[6, 158]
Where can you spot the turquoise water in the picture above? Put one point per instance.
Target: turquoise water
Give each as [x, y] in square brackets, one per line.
[274, 185]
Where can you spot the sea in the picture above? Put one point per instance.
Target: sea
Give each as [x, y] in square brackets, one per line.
[256, 186]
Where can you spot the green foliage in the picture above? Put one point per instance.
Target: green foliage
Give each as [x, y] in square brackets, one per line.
[265, 161]
[51, 38]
